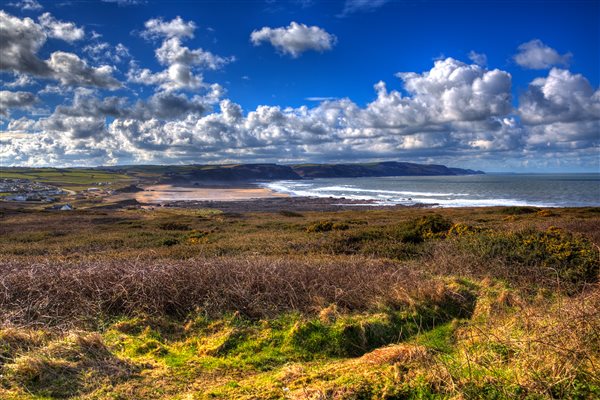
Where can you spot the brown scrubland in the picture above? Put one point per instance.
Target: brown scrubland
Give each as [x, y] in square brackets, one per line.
[395, 303]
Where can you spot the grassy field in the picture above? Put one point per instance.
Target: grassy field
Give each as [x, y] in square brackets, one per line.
[67, 178]
[497, 303]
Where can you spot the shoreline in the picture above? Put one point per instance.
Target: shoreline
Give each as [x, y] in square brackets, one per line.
[241, 197]
[291, 203]
[166, 193]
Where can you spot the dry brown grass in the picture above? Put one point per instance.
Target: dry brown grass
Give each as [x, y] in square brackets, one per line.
[68, 366]
[55, 293]
[403, 353]
[547, 350]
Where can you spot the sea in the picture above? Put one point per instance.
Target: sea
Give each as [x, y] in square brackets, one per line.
[540, 190]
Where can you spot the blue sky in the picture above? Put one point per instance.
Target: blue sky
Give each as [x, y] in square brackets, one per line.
[504, 86]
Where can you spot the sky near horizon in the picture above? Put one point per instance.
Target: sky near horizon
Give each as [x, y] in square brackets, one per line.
[490, 85]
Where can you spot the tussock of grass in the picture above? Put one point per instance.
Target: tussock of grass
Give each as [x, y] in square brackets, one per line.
[69, 366]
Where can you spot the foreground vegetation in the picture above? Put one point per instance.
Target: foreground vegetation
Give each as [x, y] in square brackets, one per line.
[404, 303]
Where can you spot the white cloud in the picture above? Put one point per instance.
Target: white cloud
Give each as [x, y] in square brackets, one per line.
[54, 28]
[451, 91]
[69, 69]
[536, 55]
[105, 52]
[182, 63]
[22, 124]
[455, 112]
[23, 38]
[295, 38]
[177, 27]
[354, 6]
[28, 5]
[561, 108]
[454, 108]
[560, 97]
[478, 58]
[21, 80]
[172, 52]
[319, 98]
[10, 100]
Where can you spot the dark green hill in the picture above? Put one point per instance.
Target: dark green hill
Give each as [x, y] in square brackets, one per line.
[266, 172]
[387, 168]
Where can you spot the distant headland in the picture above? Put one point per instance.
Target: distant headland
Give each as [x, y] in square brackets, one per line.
[258, 172]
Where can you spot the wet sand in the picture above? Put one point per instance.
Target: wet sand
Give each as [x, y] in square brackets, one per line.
[170, 193]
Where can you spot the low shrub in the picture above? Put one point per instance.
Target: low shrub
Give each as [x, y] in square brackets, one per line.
[428, 226]
[545, 213]
[291, 214]
[463, 229]
[170, 242]
[551, 257]
[174, 226]
[326, 226]
[518, 210]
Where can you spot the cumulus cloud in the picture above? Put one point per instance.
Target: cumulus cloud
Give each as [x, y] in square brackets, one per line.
[450, 91]
[161, 106]
[172, 52]
[177, 76]
[10, 100]
[75, 127]
[69, 69]
[452, 110]
[54, 28]
[295, 39]
[561, 108]
[536, 55]
[182, 63]
[560, 97]
[21, 39]
[177, 27]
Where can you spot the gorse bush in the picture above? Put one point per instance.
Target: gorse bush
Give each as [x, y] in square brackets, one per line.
[174, 226]
[326, 226]
[573, 259]
[519, 210]
[428, 226]
[291, 214]
[551, 255]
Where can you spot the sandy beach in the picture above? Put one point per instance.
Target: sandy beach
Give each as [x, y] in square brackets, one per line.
[169, 193]
[235, 197]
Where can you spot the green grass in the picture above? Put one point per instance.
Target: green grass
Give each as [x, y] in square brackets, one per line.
[68, 177]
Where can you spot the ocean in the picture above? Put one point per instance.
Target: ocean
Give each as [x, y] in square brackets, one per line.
[541, 190]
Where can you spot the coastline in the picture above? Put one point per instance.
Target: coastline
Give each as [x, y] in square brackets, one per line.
[164, 193]
[240, 197]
